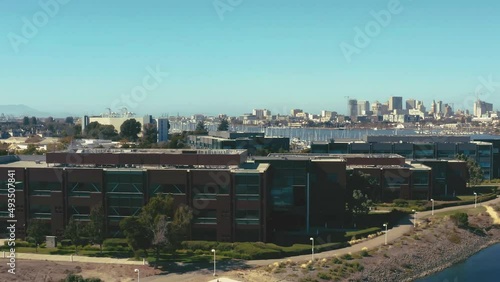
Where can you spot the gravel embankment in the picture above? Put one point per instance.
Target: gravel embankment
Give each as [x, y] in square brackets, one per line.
[430, 251]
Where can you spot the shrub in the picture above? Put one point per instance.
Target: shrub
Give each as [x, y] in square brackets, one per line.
[364, 252]
[199, 245]
[115, 242]
[20, 243]
[66, 242]
[362, 233]
[79, 278]
[324, 276]
[460, 219]
[347, 256]
[400, 203]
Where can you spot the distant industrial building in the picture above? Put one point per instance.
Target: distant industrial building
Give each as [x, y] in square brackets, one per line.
[115, 120]
[255, 143]
[418, 147]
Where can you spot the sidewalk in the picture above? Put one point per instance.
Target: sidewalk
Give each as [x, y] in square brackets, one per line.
[74, 258]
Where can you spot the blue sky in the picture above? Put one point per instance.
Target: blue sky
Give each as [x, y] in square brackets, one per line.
[275, 54]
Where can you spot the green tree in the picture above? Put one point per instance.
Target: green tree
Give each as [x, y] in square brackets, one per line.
[200, 128]
[137, 235]
[223, 125]
[358, 205]
[176, 141]
[33, 121]
[69, 120]
[107, 132]
[96, 228]
[149, 134]
[37, 230]
[129, 129]
[75, 231]
[475, 174]
[31, 150]
[26, 121]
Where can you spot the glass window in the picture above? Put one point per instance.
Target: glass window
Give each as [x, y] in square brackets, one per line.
[40, 211]
[250, 217]
[420, 178]
[208, 216]
[124, 181]
[168, 189]
[83, 189]
[43, 188]
[124, 204]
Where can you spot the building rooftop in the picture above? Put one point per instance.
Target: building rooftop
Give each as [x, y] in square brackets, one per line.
[25, 164]
[157, 151]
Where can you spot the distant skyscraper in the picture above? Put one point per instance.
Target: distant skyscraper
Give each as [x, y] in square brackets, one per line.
[481, 108]
[162, 126]
[411, 104]
[433, 107]
[363, 108]
[352, 108]
[395, 103]
[439, 108]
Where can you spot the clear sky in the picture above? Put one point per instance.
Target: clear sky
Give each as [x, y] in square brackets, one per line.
[274, 54]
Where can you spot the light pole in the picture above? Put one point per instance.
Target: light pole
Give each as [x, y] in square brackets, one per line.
[385, 225]
[414, 218]
[475, 200]
[312, 248]
[138, 274]
[432, 201]
[213, 251]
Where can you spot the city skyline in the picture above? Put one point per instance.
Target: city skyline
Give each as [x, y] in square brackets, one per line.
[88, 55]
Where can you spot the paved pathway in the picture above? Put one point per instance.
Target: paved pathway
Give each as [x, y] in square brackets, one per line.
[68, 258]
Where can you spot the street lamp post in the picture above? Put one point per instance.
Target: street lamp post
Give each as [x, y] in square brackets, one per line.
[138, 274]
[213, 251]
[385, 225]
[475, 200]
[312, 248]
[414, 218]
[432, 201]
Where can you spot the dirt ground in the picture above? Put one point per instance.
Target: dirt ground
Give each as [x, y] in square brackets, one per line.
[45, 271]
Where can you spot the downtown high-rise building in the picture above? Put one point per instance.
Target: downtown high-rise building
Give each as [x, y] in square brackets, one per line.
[395, 103]
[363, 108]
[352, 108]
[411, 104]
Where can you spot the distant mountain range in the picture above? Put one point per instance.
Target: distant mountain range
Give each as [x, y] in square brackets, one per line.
[23, 110]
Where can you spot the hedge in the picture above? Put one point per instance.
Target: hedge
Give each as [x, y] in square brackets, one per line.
[115, 242]
[362, 233]
[255, 250]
